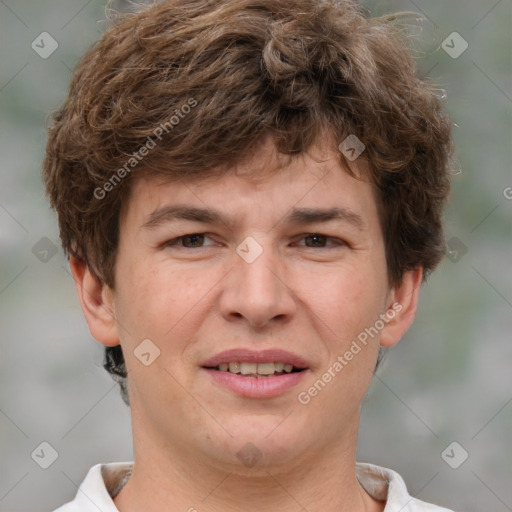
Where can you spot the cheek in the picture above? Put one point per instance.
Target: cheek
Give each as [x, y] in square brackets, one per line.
[346, 299]
[347, 308]
[159, 302]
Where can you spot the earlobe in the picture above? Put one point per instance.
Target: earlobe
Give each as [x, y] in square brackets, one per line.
[97, 303]
[403, 302]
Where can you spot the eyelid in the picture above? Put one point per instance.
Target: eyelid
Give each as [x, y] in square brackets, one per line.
[338, 242]
[175, 241]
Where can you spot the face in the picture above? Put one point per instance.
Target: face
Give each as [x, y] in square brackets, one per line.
[289, 268]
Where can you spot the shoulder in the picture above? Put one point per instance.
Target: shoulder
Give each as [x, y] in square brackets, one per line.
[387, 485]
[98, 487]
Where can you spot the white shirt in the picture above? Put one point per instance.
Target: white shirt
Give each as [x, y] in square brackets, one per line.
[104, 481]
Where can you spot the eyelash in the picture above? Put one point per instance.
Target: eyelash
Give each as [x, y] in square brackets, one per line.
[175, 241]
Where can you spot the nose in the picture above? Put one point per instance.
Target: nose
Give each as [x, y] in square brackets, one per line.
[257, 290]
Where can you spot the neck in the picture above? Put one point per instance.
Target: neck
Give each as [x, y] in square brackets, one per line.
[177, 478]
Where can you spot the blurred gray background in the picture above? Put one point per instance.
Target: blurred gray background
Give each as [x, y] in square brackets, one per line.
[448, 381]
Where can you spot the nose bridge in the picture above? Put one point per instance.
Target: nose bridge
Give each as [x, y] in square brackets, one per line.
[258, 260]
[258, 263]
[255, 288]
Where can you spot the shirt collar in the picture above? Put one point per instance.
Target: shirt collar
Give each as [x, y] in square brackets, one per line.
[104, 481]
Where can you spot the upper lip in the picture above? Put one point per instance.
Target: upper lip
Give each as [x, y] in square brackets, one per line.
[252, 356]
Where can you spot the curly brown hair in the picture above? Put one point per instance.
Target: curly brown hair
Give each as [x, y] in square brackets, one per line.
[187, 88]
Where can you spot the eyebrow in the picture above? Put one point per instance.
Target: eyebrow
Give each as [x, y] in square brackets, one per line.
[297, 216]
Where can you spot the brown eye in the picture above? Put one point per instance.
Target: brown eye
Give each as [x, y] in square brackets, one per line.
[319, 241]
[190, 241]
[316, 240]
[195, 240]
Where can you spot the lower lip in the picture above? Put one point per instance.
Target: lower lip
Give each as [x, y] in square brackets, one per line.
[257, 387]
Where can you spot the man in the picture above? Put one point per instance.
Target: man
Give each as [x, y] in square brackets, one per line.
[250, 193]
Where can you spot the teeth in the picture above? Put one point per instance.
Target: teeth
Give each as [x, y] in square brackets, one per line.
[234, 367]
[266, 368]
[245, 368]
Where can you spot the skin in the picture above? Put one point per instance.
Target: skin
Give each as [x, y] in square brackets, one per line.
[310, 298]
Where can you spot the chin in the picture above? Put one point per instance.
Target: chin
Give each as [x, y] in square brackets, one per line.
[262, 442]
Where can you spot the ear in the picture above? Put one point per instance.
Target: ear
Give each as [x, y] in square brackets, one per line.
[402, 304]
[97, 303]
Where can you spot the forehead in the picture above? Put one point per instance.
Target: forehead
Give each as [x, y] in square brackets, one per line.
[265, 180]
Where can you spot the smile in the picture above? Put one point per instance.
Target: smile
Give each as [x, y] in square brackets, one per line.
[250, 369]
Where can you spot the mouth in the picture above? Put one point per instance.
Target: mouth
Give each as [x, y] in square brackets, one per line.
[256, 370]
[265, 374]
